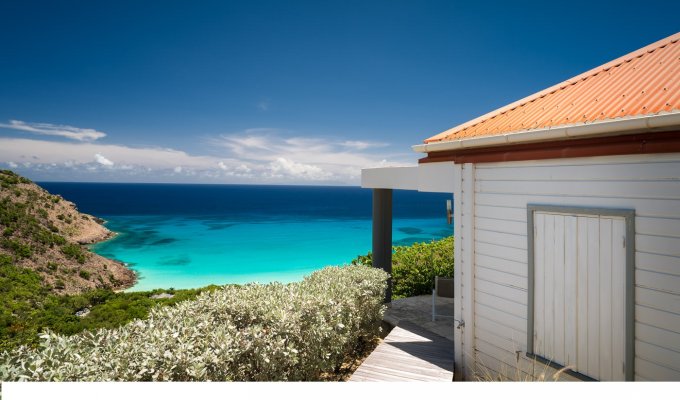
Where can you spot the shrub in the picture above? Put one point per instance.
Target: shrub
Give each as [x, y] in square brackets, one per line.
[74, 251]
[9, 178]
[238, 333]
[84, 274]
[27, 306]
[20, 249]
[20, 291]
[415, 267]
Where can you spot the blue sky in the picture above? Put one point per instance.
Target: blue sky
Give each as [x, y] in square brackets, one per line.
[303, 92]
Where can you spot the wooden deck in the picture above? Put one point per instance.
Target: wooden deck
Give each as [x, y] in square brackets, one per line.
[408, 353]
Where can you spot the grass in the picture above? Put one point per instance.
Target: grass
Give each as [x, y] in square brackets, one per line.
[516, 371]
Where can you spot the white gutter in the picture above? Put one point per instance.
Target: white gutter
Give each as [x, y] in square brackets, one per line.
[620, 125]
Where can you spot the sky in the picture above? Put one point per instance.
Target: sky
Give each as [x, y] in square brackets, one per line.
[278, 92]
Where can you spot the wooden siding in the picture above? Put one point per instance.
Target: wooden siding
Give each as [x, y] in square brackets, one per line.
[649, 184]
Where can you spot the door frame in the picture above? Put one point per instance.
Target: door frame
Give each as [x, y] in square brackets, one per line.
[629, 287]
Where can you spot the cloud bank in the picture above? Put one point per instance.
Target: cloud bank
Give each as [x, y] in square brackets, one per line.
[264, 156]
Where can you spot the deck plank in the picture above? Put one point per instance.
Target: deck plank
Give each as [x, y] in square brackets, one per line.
[408, 353]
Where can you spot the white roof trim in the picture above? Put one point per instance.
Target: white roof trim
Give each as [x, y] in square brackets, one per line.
[628, 125]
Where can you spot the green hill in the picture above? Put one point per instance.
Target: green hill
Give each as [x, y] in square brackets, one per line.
[46, 234]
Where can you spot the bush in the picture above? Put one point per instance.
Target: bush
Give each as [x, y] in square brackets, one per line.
[23, 234]
[415, 267]
[84, 274]
[21, 291]
[27, 306]
[238, 333]
[20, 249]
[9, 178]
[74, 251]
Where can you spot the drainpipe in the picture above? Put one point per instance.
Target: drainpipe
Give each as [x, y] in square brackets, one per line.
[382, 235]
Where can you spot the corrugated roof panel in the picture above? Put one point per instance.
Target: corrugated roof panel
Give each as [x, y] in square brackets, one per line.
[644, 82]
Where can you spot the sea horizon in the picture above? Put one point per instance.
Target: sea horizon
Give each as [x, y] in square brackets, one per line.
[240, 233]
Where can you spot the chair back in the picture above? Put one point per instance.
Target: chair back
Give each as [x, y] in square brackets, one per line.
[443, 287]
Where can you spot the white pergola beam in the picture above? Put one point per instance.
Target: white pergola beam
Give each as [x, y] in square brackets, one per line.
[429, 177]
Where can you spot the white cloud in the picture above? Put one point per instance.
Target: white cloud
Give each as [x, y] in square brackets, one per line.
[74, 154]
[253, 156]
[360, 145]
[12, 164]
[243, 168]
[306, 158]
[100, 159]
[70, 132]
[282, 167]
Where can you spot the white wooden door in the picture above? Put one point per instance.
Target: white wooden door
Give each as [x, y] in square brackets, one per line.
[579, 292]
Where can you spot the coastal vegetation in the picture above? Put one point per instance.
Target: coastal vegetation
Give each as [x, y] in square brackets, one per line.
[63, 318]
[46, 234]
[49, 279]
[415, 267]
[275, 332]
[28, 307]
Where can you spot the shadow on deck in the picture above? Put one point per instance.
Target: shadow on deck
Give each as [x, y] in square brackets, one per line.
[411, 351]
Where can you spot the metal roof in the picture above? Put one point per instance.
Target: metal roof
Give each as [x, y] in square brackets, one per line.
[644, 82]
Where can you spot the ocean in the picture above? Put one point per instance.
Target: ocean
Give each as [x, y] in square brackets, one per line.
[186, 236]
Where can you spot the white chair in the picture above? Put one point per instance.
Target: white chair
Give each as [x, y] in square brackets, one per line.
[443, 287]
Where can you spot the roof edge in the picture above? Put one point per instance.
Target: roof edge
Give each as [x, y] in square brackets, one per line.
[627, 125]
[618, 61]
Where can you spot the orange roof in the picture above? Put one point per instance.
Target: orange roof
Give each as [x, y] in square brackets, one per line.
[644, 82]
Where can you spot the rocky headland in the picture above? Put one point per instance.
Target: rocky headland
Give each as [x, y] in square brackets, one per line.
[47, 234]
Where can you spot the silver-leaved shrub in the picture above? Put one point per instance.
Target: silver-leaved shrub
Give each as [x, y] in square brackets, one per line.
[255, 332]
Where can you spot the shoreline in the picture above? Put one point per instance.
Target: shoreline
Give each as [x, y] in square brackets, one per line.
[102, 234]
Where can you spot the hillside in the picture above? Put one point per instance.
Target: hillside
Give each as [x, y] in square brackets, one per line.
[47, 234]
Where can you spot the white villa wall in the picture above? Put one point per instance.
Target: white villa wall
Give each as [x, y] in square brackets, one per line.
[491, 207]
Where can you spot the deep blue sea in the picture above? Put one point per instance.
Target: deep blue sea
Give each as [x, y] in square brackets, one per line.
[186, 236]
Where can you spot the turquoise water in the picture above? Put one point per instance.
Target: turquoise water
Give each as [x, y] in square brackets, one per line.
[190, 252]
[187, 236]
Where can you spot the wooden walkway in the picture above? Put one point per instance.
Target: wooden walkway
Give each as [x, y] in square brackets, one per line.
[408, 353]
